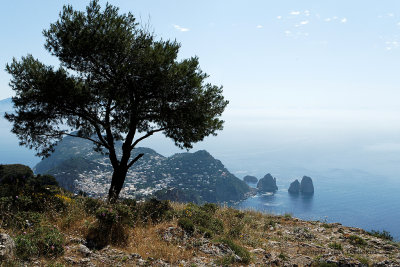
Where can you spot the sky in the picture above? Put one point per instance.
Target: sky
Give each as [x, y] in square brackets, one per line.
[311, 84]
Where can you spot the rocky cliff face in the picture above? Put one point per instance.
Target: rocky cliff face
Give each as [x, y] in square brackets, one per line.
[294, 187]
[250, 179]
[306, 185]
[267, 184]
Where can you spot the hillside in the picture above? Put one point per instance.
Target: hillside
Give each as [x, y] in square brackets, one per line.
[43, 225]
[195, 177]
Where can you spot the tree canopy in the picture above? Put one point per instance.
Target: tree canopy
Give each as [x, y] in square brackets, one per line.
[115, 82]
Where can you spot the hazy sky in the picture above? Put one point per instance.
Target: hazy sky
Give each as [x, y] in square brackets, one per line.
[311, 83]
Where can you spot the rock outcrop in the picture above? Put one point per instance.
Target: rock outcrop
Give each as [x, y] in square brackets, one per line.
[7, 247]
[250, 179]
[306, 186]
[267, 184]
[294, 187]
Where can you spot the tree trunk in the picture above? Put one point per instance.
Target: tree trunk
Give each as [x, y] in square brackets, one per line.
[117, 181]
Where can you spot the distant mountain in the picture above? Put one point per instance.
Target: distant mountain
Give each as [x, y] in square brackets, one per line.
[195, 177]
[5, 106]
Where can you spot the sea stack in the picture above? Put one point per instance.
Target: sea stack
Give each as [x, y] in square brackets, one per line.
[250, 179]
[307, 186]
[294, 187]
[267, 184]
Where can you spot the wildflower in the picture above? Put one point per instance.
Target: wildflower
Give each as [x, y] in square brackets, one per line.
[103, 214]
[52, 247]
[16, 197]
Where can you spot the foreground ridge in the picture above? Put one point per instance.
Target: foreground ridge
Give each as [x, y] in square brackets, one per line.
[42, 224]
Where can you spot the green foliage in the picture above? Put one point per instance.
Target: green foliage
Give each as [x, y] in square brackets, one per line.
[92, 204]
[43, 241]
[226, 261]
[336, 246]
[283, 256]
[357, 240]
[207, 233]
[201, 216]
[107, 216]
[187, 225]
[287, 216]
[17, 179]
[327, 225]
[381, 234]
[363, 260]
[242, 252]
[154, 210]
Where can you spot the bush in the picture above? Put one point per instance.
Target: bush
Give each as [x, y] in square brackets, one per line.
[336, 246]
[200, 217]
[242, 252]
[207, 233]
[356, 240]
[210, 208]
[187, 225]
[381, 234]
[43, 241]
[111, 224]
[92, 205]
[107, 216]
[154, 210]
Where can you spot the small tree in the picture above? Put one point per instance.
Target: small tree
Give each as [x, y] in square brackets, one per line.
[115, 83]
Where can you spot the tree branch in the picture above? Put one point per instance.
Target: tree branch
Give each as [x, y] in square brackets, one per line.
[145, 136]
[135, 159]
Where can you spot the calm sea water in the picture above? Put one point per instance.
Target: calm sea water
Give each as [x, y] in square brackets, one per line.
[351, 198]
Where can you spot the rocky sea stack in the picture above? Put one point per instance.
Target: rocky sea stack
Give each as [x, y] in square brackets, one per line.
[294, 187]
[267, 184]
[306, 186]
[250, 179]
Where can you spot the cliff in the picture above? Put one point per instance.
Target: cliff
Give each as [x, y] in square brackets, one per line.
[267, 184]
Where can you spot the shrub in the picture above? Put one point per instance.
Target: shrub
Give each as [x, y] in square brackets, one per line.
[106, 216]
[200, 217]
[207, 233]
[154, 210]
[92, 205]
[43, 241]
[236, 230]
[242, 252]
[282, 256]
[210, 208]
[336, 246]
[356, 240]
[110, 227]
[287, 215]
[187, 225]
[381, 234]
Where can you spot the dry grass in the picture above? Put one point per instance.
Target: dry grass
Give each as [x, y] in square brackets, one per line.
[146, 241]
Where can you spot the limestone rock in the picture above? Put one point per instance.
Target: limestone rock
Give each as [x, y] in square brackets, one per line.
[84, 250]
[294, 187]
[250, 179]
[7, 247]
[267, 184]
[307, 186]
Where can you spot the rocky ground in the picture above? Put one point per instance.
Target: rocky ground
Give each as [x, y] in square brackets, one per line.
[271, 241]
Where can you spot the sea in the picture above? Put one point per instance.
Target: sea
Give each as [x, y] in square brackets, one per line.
[352, 198]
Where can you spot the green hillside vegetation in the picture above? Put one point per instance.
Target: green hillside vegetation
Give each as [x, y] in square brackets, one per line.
[53, 227]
